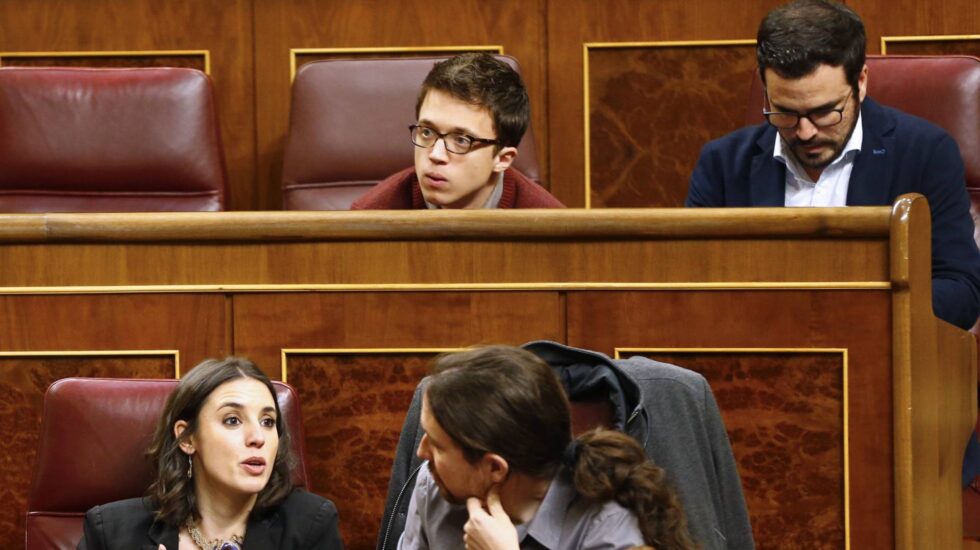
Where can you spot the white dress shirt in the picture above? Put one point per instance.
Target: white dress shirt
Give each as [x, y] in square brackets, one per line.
[831, 188]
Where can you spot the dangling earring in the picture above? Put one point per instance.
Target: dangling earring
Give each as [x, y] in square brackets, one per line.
[190, 467]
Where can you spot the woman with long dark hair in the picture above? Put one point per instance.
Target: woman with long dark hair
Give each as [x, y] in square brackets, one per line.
[222, 475]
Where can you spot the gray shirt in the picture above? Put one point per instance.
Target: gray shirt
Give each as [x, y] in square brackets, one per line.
[564, 521]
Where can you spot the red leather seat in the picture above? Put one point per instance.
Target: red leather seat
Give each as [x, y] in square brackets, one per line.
[348, 129]
[94, 432]
[109, 140]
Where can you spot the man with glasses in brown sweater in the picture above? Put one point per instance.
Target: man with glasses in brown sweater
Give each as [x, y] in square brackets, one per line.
[471, 113]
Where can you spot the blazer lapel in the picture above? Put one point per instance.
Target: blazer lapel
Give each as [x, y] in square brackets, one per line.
[160, 533]
[263, 533]
[871, 176]
[767, 176]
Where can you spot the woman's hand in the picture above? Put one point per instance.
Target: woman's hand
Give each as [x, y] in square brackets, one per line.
[489, 529]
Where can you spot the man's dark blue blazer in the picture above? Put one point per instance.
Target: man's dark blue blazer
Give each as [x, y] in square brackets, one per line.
[899, 154]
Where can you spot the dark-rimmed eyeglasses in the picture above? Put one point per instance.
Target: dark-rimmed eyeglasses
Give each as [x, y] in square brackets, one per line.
[821, 118]
[456, 142]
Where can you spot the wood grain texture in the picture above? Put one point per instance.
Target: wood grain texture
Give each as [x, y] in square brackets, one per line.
[192, 324]
[389, 320]
[353, 409]
[935, 47]
[859, 321]
[784, 413]
[930, 373]
[224, 27]
[448, 225]
[488, 248]
[518, 26]
[911, 18]
[259, 322]
[23, 381]
[379, 266]
[651, 109]
[354, 403]
[190, 61]
[572, 23]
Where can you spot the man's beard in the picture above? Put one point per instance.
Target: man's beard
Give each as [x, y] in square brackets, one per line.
[443, 491]
[820, 163]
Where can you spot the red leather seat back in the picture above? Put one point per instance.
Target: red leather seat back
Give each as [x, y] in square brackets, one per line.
[94, 433]
[109, 140]
[348, 129]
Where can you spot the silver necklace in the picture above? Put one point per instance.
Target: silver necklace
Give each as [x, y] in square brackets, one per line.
[214, 544]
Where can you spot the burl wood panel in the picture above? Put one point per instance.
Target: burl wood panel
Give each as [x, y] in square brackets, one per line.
[856, 320]
[23, 381]
[519, 26]
[572, 23]
[785, 418]
[190, 61]
[353, 409]
[223, 27]
[651, 109]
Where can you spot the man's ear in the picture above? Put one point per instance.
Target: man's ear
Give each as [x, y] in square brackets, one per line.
[863, 84]
[186, 444]
[496, 467]
[505, 157]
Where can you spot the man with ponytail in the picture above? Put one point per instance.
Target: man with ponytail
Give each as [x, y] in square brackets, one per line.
[497, 437]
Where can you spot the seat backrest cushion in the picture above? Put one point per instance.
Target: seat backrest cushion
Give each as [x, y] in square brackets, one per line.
[109, 140]
[348, 129]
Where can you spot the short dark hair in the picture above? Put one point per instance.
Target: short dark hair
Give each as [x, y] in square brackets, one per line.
[796, 38]
[172, 493]
[482, 79]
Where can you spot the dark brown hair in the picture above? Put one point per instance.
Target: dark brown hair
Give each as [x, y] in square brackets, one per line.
[172, 493]
[483, 80]
[508, 401]
[610, 465]
[796, 38]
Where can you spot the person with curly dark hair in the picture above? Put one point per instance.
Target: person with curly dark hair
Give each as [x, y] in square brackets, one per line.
[498, 440]
[222, 474]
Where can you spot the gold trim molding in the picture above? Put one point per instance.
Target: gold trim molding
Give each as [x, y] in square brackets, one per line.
[101, 353]
[295, 52]
[206, 54]
[286, 352]
[623, 45]
[617, 354]
[935, 38]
